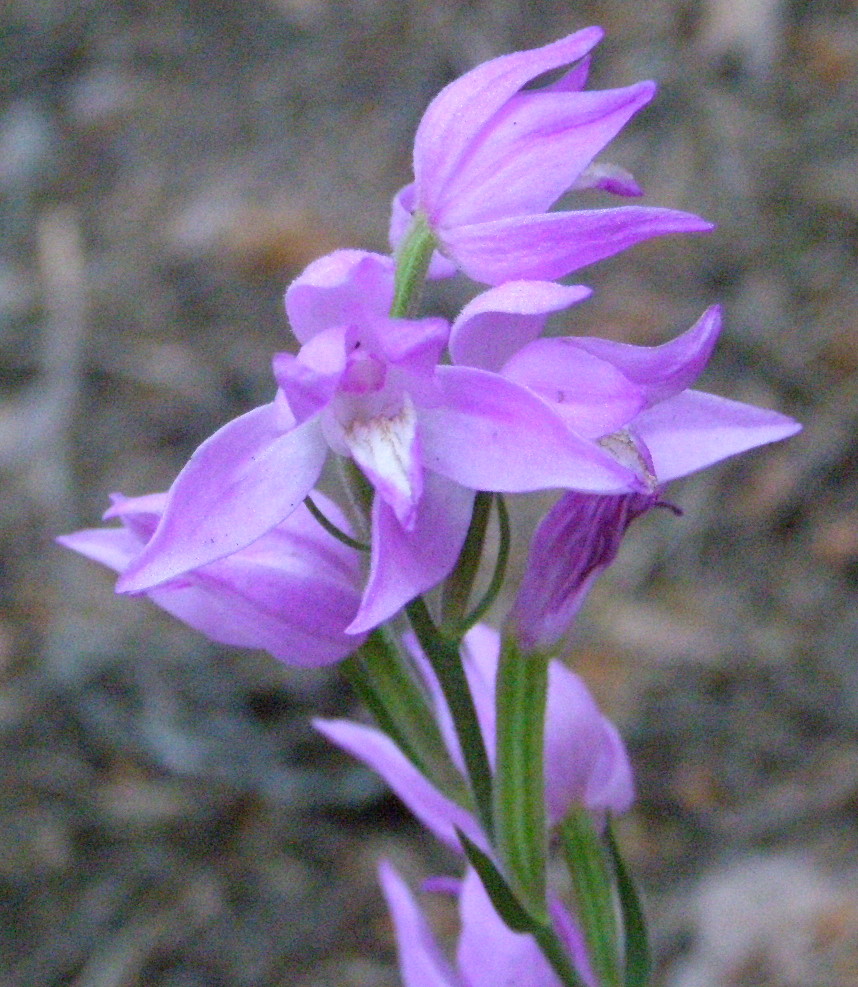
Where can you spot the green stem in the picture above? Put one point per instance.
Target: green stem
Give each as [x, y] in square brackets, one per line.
[446, 662]
[331, 528]
[412, 263]
[382, 678]
[460, 582]
[519, 806]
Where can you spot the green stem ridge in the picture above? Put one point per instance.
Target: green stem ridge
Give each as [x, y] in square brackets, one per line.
[590, 870]
[446, 662]
[522, 686]
[412, 263]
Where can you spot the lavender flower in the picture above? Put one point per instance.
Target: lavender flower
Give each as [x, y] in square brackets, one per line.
[488, 954]
[634, 401]
[491, 158]
[585, 761]
[291, 593]
[369, 387]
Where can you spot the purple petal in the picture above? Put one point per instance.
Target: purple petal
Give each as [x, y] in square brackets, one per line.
[498, 322]
[377, 751]
[661, 371]
[492, 434]
[113, 547]
[590, 394]
[532, 151]
[695, 429]
[572, 81]
[585, 761]
[551, 245]
[572, 937]
[239, 483]
[310, 379]
[459, 112]
[575, 541]
[343, 288]
[421, 962]
[407, 563]
[489, 953]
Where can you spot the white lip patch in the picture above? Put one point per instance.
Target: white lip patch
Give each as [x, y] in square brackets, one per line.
[385, 449]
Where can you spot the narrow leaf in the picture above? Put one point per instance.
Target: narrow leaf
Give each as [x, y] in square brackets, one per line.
[500, 894]
[638, 959]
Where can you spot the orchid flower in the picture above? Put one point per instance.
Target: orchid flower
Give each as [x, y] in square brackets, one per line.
[488, 954]
[491, 158]
[425, 436]
[634, 401]
[586, 764]
[291, 593]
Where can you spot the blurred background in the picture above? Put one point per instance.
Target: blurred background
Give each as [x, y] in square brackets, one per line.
[167, 817]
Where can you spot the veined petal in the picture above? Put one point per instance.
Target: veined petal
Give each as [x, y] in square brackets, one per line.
[342, 288]
[661, 371]
[492, 434]
[533, 150]
[552, 245]
[386, 449]
[591, 395]
[240, 483]
[377, 751]
[694, 429]
[407, 563]
[421, 962]
[460, 111]
[498, 322]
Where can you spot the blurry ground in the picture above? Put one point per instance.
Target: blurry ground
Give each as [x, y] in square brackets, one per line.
[167, 816]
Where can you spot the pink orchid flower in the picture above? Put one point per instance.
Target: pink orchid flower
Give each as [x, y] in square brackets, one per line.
[491, 158]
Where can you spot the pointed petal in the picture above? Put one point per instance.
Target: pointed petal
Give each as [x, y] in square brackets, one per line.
[421, 962]
[695, 429]
[378, 752]
[552, 245]
[113, 547]
[489, 953]
[590, 394]
[342, 288]
[460, 111]
[407, 563]
[498, 322]
[662, 371]
[492, 434]
[532, 151]
[239, 483]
